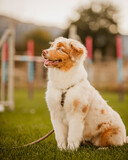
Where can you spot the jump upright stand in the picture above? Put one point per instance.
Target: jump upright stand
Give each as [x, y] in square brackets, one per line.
[8, 99]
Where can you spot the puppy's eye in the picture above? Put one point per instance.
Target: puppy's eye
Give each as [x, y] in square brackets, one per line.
[59, 49]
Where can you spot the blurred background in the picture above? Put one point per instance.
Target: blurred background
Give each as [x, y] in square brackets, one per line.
[26, 28]
[101, 25]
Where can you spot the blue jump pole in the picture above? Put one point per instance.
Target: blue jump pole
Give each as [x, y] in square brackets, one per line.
[89, 46]
[120, 67]
[30, 52]
[4, 71]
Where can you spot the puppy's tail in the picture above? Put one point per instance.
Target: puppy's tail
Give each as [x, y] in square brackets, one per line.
[127, 139]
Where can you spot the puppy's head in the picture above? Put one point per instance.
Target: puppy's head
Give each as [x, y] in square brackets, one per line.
[64, 54]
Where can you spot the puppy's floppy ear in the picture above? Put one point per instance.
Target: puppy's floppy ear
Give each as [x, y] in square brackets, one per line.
[76, 49]
[61, 44]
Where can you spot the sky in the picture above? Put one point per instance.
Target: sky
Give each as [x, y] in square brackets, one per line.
[55, 12]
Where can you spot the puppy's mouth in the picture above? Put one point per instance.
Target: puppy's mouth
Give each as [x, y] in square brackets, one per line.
[49, 62]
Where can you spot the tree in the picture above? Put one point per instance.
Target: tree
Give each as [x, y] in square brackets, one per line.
[100, 22]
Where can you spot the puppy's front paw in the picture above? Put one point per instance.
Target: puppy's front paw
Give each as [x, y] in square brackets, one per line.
[73, 146]
[61, 146]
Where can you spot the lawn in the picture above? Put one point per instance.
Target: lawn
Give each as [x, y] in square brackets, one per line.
[30, 120]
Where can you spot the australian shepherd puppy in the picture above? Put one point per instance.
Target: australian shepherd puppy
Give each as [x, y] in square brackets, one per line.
[78, 112]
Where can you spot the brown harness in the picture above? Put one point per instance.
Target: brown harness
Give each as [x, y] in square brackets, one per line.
[63, 95]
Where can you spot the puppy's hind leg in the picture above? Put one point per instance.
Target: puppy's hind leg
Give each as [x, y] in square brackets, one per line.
[96, 141]
[112, 136]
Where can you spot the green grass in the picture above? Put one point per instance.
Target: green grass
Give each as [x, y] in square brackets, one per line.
[30, 120]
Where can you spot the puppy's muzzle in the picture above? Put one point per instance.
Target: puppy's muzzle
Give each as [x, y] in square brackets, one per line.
[44, 52]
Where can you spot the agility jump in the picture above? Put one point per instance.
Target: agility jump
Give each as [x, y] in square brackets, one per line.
[8, 58]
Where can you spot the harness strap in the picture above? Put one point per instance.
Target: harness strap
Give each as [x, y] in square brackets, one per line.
[63, 95]
[63, 98]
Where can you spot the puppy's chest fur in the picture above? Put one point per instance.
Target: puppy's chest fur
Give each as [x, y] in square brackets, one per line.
[62, 100]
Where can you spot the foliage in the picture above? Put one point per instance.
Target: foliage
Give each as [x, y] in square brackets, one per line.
[30, 120]
[98, 21]
[41, 40]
